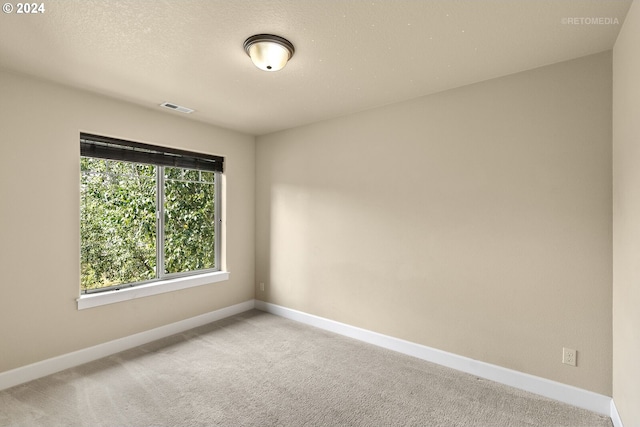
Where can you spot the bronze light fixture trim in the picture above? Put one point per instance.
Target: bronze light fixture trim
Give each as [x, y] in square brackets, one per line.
[269, 52]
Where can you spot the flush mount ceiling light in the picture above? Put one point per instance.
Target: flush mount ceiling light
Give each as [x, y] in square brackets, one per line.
[269, 52]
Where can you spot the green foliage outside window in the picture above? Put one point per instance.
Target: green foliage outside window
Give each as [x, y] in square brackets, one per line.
[189, 224]
[118, 223]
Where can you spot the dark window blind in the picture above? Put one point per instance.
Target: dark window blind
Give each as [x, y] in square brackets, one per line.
[117, 149]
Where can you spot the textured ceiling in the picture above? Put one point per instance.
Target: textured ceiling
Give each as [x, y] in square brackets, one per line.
[350, 55]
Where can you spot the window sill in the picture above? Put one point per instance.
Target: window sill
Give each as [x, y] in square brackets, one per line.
[155, 288]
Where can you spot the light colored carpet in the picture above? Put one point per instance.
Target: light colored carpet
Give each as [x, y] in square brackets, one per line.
[257, 369]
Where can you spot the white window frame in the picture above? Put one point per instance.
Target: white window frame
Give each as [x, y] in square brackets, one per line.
[164, 282]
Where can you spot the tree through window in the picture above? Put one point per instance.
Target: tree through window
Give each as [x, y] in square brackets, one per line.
[147, 219]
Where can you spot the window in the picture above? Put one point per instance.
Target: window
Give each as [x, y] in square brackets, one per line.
[147, 213]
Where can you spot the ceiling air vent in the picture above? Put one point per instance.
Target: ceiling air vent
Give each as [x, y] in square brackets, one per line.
[176, 107]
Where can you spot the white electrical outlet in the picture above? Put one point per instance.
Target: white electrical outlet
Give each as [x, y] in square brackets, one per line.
[569, 356]
[261, 286]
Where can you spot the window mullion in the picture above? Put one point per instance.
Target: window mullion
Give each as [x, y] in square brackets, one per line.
[160, 222]
[217, 220]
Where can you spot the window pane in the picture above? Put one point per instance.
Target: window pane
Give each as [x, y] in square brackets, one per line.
[189, 222]
[117, 223]
[207, 176]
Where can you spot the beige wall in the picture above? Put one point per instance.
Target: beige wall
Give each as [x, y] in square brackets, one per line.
[39, 226]
[626, 219]
[476, 221]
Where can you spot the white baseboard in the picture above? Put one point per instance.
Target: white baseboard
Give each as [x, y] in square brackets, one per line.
[554, 390]
[615, 416]
[69, 360]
